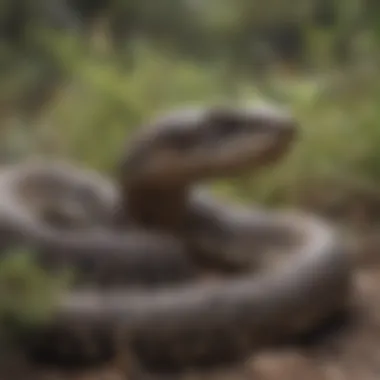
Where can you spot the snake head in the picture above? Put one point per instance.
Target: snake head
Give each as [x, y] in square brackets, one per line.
[189, 145]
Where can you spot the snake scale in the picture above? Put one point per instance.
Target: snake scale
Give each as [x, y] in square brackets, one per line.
[153, 235]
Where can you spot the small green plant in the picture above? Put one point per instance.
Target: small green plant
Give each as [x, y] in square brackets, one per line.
[28, 294]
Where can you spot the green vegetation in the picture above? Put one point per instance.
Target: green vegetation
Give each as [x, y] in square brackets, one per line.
[28, 294]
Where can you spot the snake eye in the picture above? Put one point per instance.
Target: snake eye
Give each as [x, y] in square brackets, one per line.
[179, 141]
[223, 122]
[227, 125]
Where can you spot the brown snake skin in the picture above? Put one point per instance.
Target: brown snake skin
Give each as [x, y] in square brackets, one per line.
[150, 306]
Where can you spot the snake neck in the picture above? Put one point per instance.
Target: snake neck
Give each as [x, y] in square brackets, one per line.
[159, 208]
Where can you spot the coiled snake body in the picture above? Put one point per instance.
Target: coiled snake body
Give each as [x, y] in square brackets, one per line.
[162, 235]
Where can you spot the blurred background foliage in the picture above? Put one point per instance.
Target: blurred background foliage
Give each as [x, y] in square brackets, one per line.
[78, 75]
